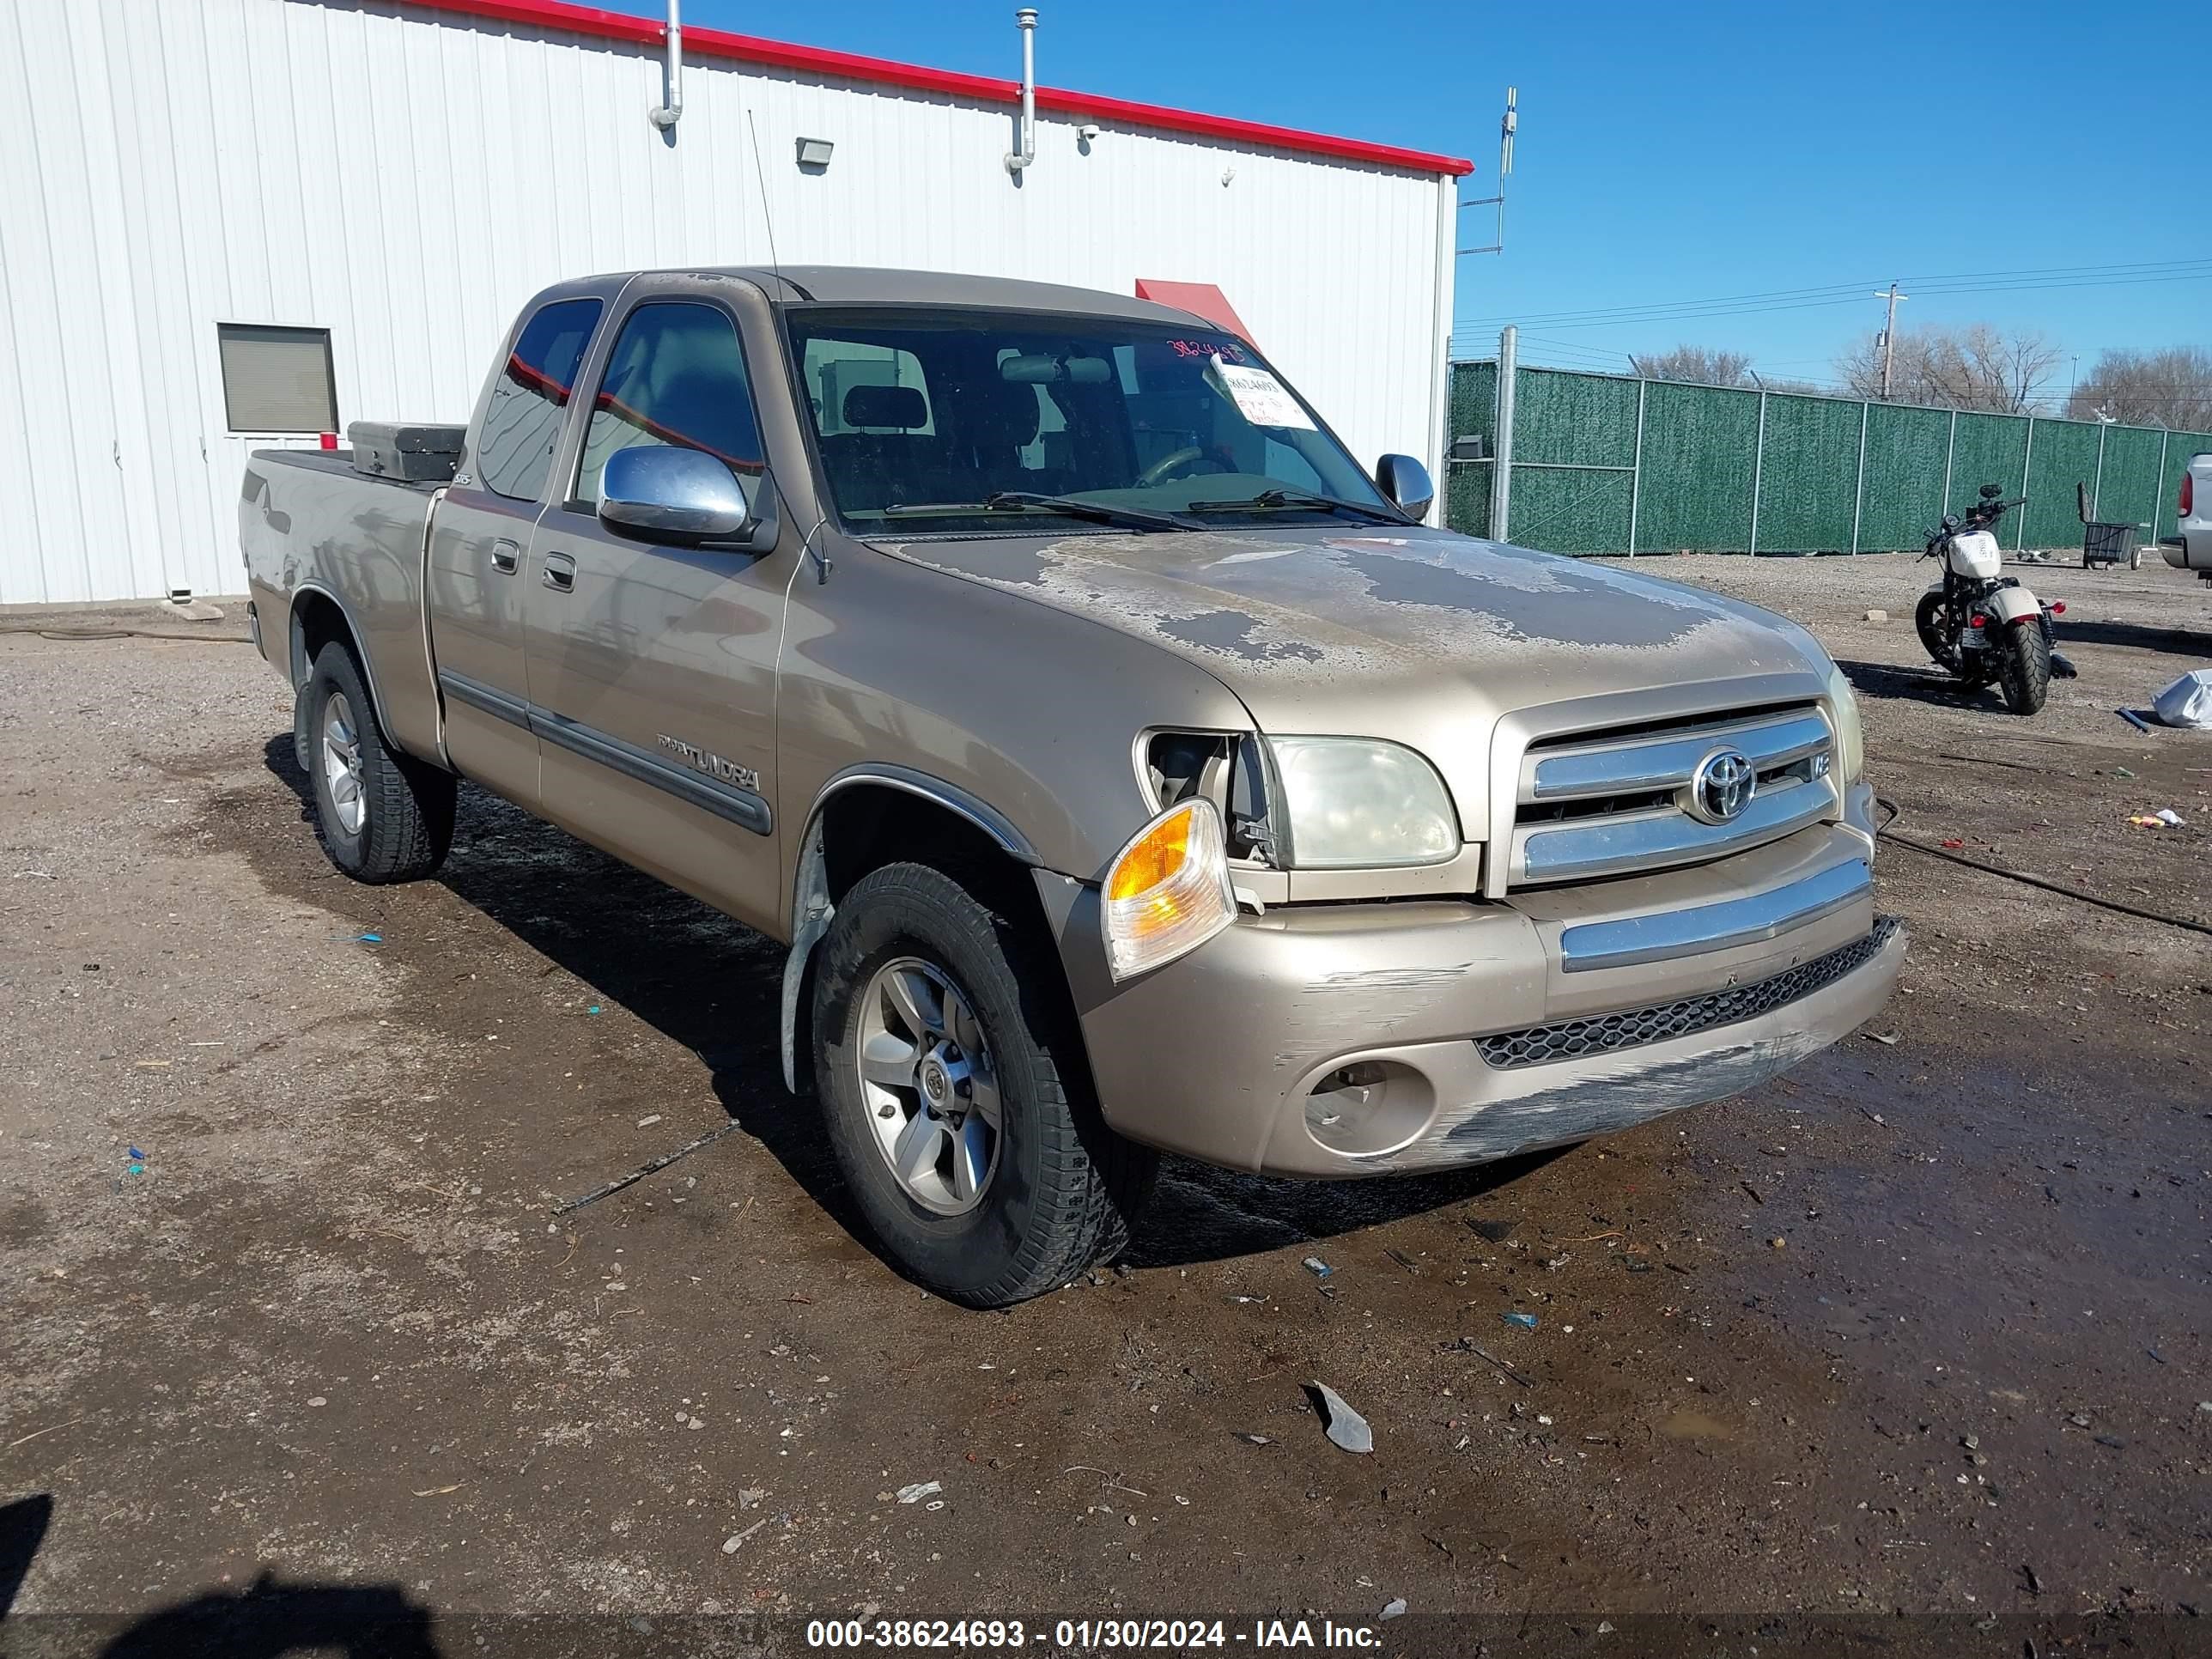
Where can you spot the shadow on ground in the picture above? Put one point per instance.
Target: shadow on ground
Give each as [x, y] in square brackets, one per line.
[2136, 636]
[1930, 684]
[714, 987]
[271, 1618]
[22, 1528]
[267, 1619]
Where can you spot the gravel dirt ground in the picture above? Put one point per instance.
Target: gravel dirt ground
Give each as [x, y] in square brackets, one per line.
[299, 1338]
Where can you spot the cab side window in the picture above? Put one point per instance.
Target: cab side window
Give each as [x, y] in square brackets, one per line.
[677, 376]
[522, 424]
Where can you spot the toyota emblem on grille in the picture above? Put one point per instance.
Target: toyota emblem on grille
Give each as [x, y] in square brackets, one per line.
[1722, 786]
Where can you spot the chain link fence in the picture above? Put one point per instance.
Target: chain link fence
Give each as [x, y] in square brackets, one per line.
[1610, 463]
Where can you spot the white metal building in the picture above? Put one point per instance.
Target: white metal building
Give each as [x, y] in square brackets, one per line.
[229, 223]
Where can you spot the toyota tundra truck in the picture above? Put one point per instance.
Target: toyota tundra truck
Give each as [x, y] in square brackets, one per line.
[1126, 770]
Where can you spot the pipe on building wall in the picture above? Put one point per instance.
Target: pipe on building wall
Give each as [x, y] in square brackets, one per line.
[671, 112]
[1025, 20]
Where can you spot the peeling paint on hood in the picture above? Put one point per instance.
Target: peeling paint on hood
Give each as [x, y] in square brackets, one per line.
[1300, 603]
[1420, 635]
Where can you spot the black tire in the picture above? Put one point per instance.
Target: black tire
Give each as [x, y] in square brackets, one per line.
[2024, 668]
[1931, 621]
[1064, 1186]
[407, 818]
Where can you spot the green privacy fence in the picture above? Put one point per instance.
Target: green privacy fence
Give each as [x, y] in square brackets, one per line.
[1605, 463]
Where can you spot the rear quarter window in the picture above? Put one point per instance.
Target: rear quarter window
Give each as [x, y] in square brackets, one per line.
[522, 422]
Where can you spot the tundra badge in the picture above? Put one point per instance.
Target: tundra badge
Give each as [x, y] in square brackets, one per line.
[714, 765]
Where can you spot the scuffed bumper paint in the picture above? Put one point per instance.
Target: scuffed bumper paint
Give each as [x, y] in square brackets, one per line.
[1501, 1114]
[1218, 1056]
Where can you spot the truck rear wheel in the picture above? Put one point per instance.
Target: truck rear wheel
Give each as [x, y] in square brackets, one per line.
[385, 816]
[956, 1096]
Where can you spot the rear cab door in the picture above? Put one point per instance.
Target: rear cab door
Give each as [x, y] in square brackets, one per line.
[652, 667]
[481, 535]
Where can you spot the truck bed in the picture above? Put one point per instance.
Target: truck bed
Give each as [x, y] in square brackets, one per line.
[337, 462]
[315, 532]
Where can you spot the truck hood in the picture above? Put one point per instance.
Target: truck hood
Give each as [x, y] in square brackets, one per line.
[1429, 638]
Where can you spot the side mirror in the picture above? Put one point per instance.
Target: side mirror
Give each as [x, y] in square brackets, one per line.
[666, 493]
[1406, 482]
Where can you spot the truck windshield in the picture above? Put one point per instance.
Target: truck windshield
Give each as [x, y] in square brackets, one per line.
[933, 418]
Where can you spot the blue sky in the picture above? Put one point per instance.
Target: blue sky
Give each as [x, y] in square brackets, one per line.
[1688, 151]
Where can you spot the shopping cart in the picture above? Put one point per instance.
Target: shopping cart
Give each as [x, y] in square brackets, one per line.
[2106, 544]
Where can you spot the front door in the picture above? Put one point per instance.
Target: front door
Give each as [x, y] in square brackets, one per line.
[479, 540]
[652, 667]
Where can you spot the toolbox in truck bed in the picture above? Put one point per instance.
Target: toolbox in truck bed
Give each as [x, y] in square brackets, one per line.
[416, 453]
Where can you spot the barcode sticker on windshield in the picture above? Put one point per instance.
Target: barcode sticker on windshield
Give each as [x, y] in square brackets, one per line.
[1260, 398]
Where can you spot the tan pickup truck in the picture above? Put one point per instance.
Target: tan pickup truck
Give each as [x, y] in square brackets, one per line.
[1126, 768]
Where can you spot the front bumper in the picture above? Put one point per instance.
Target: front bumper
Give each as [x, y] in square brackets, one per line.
[1475, 1031]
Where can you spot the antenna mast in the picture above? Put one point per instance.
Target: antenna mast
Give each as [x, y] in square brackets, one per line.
[1507, 124]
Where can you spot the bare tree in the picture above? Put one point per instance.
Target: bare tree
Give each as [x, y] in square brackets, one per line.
[2172, 387]
[1974, 367]
[1699, 363]
[1977, 367]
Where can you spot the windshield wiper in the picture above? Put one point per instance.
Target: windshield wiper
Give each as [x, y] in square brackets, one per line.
[1298, 500]
[1014, 501]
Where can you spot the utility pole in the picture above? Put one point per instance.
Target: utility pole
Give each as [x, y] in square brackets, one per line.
[1889, 335]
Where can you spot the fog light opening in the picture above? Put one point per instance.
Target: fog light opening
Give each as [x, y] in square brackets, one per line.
[1367, 1107]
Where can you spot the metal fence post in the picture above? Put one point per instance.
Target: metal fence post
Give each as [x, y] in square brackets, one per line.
[1858, 493]
[1950, 449]
[1759, 465]
[1501, 470]
[1636, 467]
[2026, 472]
[2097, 488]
[2158, 495]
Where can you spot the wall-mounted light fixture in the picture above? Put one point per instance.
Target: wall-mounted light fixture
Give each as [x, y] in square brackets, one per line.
[814, 154]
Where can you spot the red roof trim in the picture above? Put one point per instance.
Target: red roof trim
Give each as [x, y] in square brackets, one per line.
[983, 88]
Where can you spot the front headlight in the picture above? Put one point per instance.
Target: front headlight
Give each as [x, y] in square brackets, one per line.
[1850, 741]
[1353, 802]
[1167, 892]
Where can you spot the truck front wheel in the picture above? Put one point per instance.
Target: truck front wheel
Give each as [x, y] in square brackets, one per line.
[956, 1096]
[383, 816]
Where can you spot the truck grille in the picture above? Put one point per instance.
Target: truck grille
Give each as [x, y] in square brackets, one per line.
[1618, 805]
[1602, 1034]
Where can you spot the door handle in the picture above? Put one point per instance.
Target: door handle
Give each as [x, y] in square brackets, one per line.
[560, 574]
[506, 556]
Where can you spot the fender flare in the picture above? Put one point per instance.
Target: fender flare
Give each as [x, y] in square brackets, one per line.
[812, 909]
[299, 669]
[298, 666]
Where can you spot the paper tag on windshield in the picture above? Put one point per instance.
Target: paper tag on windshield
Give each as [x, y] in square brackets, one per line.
[1260, 398]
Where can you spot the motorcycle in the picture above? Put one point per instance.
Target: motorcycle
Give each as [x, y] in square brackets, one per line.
[1981, 625]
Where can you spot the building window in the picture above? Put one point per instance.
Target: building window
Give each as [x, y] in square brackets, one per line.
[277, 379]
